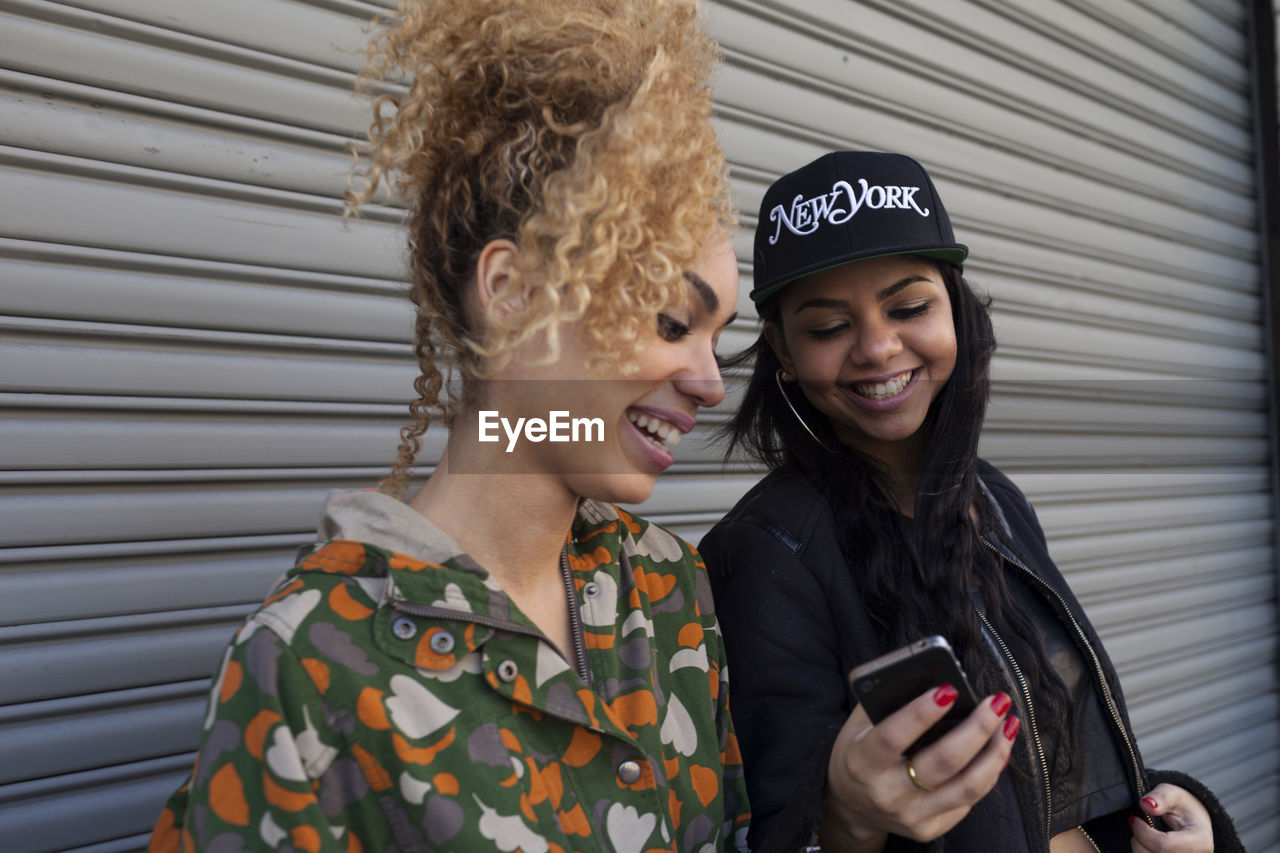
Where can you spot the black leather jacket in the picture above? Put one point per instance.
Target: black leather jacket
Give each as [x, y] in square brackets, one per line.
[794, 625]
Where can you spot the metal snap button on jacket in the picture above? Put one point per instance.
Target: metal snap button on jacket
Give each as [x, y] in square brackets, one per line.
[591, 590]
[404, 628]
[507, 670]
[442, 643]
[629, 771]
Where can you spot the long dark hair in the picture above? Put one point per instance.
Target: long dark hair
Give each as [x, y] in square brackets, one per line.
[914, 574]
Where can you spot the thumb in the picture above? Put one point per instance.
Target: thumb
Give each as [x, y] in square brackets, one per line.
[855, 725]
[1152, 806]
[1178, 808]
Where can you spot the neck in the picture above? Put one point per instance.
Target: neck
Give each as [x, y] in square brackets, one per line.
[901, 462]
[902, 491]
[514, 525]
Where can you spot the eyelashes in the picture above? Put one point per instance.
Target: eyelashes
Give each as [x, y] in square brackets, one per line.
[670, 329]
[908, 313]
[673, 331]
[824, 334]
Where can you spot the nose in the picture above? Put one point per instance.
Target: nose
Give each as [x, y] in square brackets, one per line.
[702, 382]
[877, 342]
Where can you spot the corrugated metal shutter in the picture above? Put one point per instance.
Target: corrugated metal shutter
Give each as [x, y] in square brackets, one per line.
[193, 349]
[1096, 156]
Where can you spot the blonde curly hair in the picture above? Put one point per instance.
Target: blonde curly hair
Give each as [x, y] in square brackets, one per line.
[578, 129]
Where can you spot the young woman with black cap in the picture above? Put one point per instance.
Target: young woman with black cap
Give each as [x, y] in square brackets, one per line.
[879, 525]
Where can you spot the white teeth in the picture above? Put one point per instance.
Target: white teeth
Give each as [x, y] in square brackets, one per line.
[883, 390]
[659, 432]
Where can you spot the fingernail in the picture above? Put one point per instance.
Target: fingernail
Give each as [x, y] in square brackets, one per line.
[1151, 804]
[1000, 703]
[945, 695]
[1131, 820]
[1006, 760]
[1011, 726]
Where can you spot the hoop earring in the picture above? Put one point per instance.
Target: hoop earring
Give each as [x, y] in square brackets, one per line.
[782, 390]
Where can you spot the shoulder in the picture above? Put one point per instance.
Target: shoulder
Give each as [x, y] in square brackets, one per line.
[779, 543]
[1020, 529]
[651, 542]
[642, 541]
[1011, 504]
[335, 585]
[999, 483]
[784, 507]
[656, 558]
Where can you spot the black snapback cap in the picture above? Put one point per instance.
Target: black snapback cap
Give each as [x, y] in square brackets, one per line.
[848, 206]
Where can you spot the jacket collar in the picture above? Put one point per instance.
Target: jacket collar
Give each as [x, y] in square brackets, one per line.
[996, 514]
[391, 524]
[1000, 534]
[369, 516]
[425, 564]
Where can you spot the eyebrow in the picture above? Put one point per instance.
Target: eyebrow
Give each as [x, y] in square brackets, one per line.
[704, 290]
[708, 295]
[898, 285]
[824, 302]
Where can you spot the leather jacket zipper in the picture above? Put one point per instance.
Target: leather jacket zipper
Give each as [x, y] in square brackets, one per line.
[1099, 676]
[575, 620]
[1025, 689]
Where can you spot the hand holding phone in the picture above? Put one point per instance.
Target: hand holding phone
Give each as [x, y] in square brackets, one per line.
[872, 789]
[885, 684]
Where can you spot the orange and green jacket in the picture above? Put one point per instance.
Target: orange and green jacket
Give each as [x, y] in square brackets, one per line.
[389, 695]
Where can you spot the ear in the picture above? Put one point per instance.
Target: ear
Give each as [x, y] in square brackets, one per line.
[494, 269]
[778, 343]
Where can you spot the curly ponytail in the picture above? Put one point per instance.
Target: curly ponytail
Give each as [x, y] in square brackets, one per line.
[579, 130]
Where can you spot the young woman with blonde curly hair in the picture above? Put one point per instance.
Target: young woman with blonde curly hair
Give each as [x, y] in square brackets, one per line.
[508, 660]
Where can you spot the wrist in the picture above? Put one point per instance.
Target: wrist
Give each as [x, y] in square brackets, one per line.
[841, 834]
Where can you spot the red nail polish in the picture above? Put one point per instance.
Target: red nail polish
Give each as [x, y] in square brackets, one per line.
[1000, 703]
[1131, 820]
[1151, 804]
[1006, 761]
[1011, 726]
[945, 695]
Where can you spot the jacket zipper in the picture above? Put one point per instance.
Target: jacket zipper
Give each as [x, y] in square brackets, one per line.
[1093, 656]
[1031, 719]
[575, 620]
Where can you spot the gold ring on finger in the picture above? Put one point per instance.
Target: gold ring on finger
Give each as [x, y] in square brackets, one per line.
[915, 779]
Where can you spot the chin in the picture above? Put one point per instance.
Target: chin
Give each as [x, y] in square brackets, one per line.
[615, 488]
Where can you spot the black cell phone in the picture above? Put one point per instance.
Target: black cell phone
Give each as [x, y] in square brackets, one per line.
[885, 684]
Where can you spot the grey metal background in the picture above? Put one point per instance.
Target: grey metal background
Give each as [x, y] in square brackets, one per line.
[193, 349]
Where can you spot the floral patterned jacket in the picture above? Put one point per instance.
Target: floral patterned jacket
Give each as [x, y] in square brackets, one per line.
[389, 696]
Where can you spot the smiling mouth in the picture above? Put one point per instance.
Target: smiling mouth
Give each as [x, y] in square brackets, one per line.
[656, 430]
[884, 390]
